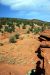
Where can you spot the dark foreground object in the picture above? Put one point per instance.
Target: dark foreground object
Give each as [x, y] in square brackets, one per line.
[38, 70]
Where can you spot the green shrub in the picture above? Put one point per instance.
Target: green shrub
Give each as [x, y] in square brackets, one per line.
[0, 26]
[24, 27]
[9, 28]
[28, 31]
[17, 36]
[31, 29]
[0, 30]
[18, 25]
[1, 44]
[36, 30]
[12, 39]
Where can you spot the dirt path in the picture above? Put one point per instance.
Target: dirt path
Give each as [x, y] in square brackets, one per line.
[21, 54]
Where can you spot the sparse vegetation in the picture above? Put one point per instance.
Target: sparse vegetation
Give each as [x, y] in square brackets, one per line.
[13, 21]
[1, 44]
[17, 36]
[37, 30]
[12, 39]
[9, 28]
[28, 32]
[18, 25]
[24, 26]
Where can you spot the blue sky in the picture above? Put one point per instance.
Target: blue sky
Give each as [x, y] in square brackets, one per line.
[27, 9]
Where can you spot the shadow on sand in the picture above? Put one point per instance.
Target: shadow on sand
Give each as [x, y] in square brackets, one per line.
[39, 70]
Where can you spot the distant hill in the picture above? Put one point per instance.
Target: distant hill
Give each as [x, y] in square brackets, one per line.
[25, 21]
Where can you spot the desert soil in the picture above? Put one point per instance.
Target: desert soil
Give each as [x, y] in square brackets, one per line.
[20, 57]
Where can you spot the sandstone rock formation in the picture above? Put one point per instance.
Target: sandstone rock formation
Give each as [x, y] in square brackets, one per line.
[45, 49]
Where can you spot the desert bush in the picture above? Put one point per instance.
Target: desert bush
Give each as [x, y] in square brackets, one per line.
[36, 30]
[12, 39]
[31, 29]
[18, 25]
[0, 30]
[0, 26]
[2, 58]
[28, 31]
[43, 28]
[24, 27]
[17, 36]
[1, 44]
[9, 28]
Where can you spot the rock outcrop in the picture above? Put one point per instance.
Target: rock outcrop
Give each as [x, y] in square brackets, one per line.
[45, 49]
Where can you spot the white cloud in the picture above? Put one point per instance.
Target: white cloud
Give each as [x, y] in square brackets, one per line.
[32, 5]
[29, 4]
[29, 8]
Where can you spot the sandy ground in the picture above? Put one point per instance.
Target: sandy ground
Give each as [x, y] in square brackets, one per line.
[20, 57]
[8, 69]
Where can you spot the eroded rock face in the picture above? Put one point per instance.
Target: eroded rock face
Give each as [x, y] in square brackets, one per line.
[45, 49]
[46, 54]
[45, 44]
[45, 33]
